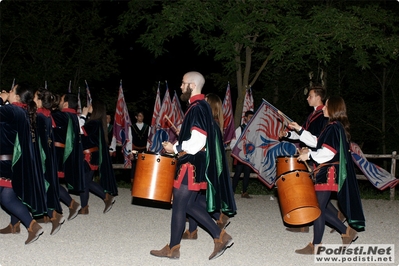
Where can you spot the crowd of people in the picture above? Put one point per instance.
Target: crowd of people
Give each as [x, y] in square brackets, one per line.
[48, 151]
[71, 147]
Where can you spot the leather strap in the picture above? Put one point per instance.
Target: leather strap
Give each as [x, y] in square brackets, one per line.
[91, 150]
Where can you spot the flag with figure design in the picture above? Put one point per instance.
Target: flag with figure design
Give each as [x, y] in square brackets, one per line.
[248, 103]
[228, 125]
[122, 123]
[379, 177]
[259, 144]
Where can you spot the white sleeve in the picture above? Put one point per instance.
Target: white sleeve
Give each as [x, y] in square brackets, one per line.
[194, 144]
[309, 139]
[112, 146]
[322, 155]
[293, 135]
[82, 122]
[237, 134]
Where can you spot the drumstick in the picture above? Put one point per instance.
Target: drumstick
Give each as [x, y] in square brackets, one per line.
[173, 126]
[305, 162]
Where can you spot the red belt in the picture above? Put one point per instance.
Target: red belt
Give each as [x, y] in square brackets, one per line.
[6, 157]
[182, 153]
[59, 144]
[90, 150]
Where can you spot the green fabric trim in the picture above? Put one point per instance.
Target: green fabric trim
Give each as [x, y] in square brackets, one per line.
[342, 164]
[17, 151]
[42, 156]
[70, 136]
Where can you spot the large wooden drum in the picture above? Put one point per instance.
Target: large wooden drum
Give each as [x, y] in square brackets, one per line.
[297, 198]
[286, 164]
[154, 177]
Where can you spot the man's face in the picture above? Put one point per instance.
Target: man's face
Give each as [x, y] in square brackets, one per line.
[247, 118]
[108, 119]
[186, 90]
[140, 117]
[313, 99]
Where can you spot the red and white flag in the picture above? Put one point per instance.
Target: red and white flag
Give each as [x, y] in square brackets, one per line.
[162, 125]
[248, 103]
[178, 114]
[228, 126]
[157, 109]
[122, 123]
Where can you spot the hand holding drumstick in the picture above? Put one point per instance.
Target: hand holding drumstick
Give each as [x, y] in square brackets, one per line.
[304, 156]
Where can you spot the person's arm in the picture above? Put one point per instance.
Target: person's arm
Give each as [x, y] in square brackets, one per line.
[237, 134]
[192, 145]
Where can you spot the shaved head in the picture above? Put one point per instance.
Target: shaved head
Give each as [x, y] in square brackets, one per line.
[195, 78]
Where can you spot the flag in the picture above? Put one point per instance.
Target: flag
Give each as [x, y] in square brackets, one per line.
[379, 177]
[178, 114]
[259, 145]
[248, 103]
[162, 125]
[122, 123]
[157, 109]
[89, 99]
[13, 84]
[79, 103]
[228, 125]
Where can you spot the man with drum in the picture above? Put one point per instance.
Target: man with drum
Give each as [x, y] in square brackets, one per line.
[315, 123]
[196, 152]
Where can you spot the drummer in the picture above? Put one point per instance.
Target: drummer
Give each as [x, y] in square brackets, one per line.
[315, 123]
[196, 143]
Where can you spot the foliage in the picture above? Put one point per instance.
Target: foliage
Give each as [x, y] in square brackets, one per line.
[48, 41]
[265, 41]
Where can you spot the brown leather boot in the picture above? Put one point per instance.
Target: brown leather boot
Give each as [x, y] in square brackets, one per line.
[223, 221]
[44, 219]
[73, 210]
[167, 252]
[304, 229]
[188, 235]
[109, 202]
[11, 229]
[56, 221]
[349, 237]
[308, 250]
[84, 210]
[34, 231]
[221, 244]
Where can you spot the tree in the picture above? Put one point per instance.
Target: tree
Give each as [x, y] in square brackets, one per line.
[249, 35]
[48, 41]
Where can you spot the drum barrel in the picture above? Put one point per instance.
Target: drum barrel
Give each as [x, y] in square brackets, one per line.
[154, 177]
[297, 198]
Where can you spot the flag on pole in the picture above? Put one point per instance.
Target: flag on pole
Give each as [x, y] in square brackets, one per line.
[228, 125]
[79, 103]
[178, 114]
[259, 144]
[122, 123]
[89, 99]
[155, 113]
[163, 127]
[69, 88]
[379, 177]
[248, 103]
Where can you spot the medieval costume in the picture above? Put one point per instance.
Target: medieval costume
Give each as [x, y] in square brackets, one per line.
[96, 156]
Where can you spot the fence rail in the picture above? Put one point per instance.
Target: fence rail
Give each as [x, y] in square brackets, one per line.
[394, 157]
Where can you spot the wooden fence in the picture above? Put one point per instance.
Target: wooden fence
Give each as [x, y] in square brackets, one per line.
[394, 157]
